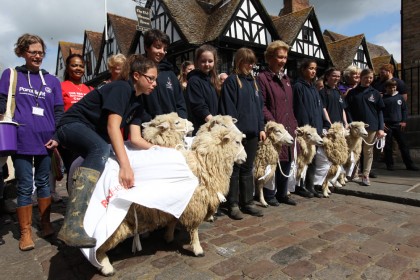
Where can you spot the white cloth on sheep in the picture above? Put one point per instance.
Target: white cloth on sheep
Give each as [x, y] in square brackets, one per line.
[163, 181]
[322, 166]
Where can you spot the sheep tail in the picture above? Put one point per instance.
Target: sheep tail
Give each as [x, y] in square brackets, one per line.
[136, 240]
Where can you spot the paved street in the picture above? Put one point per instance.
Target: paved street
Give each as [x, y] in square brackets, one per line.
[341, 237]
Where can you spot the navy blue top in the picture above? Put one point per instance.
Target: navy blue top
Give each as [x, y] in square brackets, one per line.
[167, 97]
[365, 104]
[243, 103]
[395, 109]
[202, 97]
[379, 85]
[307, 105]
[333, 103]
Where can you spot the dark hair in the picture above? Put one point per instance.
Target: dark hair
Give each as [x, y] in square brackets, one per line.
[305, 64]
[390, 83]
[24, 41]
[213, 73]
[68, 59]
[153, 35]
[365, 72]
[329, 71]
[136, 63]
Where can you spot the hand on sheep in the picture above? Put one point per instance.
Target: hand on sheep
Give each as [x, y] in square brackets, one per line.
[126, 177]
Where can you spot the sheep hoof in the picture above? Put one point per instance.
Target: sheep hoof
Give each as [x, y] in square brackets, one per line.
[200, 255]
[108, 271]
[211, 219]
[265, 205]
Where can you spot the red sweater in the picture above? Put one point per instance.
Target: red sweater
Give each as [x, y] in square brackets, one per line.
[73, 93]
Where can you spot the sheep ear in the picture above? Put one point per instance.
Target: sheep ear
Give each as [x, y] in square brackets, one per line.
[234, 120]
[226, 138]
[366, 125]
[146, 124]
[164, 125]
[298, 132]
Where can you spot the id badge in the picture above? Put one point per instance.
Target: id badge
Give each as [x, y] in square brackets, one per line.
[37, 111]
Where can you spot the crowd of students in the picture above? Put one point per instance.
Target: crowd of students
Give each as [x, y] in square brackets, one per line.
[83, 121]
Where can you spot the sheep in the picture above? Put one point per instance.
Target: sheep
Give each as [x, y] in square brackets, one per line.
[211, 159]
[306, 138]
[168, 130]
[336, 150]
[354, 143]
[268, 155]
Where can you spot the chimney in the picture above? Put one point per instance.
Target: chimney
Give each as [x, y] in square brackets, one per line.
[291, 6]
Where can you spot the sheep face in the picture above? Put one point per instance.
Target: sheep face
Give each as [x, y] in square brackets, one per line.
[278, 134]
[166, 123]
[310, 135]
[337, 130]
[219, 120]
[358, 129]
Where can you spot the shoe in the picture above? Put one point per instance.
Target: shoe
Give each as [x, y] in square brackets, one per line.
[24, 214]
[55, 197]
[252, 210]
[390, 167]
[6, 207]
[287, 200]
[313, 191]
[365, 181]
[2, 241]
[273, 202]
[234, 213]
[302, 191]
[372, 175]
[413, 168]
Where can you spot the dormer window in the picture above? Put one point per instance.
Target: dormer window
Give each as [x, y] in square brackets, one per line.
[307, 34]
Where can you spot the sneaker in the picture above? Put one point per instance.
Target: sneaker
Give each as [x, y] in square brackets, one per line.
[56, 197]
[365, 181]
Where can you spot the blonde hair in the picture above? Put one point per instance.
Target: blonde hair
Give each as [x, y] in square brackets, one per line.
[116, 59]
[351, 70]
[273, 47]
[244, 55]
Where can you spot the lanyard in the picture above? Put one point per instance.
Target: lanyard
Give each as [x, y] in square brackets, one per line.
[39, 91]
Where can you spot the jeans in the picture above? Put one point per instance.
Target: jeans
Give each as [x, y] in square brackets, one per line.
[25, 166]
[82, 140]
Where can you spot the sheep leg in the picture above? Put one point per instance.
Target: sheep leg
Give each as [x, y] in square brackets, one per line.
[170, 229]
[195, 243]
[325, 188]
[107, 268]
[260, 186]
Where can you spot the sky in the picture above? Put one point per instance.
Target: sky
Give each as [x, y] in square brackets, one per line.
[66, 21]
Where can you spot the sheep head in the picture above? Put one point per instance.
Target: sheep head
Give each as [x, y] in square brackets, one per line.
[167, 127]
[358, 129]
[309, 135]
[219, 120]
[337, 129]
[277, 134]
[220, 141]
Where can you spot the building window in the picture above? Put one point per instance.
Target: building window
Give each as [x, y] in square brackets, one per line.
[88, 61]
[109, 47]
[307, 34]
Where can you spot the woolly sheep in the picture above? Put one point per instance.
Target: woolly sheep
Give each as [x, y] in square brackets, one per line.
[354, 143]
[306, 138]
[336, 151]
[211, 159]
[268, 155]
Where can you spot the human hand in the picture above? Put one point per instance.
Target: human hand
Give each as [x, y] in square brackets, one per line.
[262, 136]
[126, 177]
[51, 144]
[403, 125]
[380, 134]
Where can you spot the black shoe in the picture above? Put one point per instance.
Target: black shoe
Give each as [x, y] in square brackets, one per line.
[302, 191]
[252, 210]
[315, 193]
[272, 202]
[372, 175]
[390, 167]
[287, 200]
[413, 168]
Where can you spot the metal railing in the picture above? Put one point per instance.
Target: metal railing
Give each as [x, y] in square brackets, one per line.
[411, 76]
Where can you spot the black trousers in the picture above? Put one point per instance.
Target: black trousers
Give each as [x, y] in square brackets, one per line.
[394, 131]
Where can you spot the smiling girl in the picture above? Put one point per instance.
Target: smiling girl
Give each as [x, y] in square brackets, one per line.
[203, 86]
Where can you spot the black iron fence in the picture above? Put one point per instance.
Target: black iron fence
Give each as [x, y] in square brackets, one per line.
[411, 76]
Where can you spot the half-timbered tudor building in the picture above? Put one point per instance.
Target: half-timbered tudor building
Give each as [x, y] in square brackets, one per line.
[91, 49]
[226, 24]
[298, 26]
[64, 50]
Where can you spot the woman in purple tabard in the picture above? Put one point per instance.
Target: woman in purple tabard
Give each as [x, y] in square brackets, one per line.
[39, 105]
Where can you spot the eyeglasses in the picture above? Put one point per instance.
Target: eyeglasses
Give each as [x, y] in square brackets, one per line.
[34, 53]
[149, 79]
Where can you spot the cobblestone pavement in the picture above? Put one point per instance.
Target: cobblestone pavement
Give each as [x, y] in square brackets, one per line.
[342, 237]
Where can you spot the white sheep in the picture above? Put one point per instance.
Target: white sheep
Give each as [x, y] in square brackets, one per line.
[336, 150]
[268, 155]
[307, 139]
[211, 159]
[168, 130]
[354, 142]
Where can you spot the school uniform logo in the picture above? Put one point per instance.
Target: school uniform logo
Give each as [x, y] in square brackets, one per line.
[169, 84]
[371, 98]
[256, 93]
[340, 100]
[399, 102]
[48, 90]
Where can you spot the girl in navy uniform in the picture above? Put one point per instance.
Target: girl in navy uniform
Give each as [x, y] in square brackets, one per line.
[241, 99]
[88, 128]
[308, 110]
[203, 86]
[365, 104]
